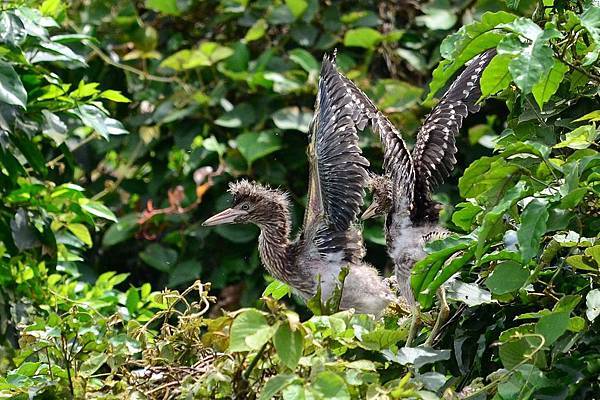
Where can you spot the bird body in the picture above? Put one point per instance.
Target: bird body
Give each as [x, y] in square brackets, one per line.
[330, 239]
[403, 193]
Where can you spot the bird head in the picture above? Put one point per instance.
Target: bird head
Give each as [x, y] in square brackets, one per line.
[381, 188]
[251, 203]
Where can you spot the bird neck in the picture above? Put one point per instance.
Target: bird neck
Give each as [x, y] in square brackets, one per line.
[274, 244]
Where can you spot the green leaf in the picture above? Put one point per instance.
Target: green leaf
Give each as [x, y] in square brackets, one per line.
[277, 290]
[11, 88]
[85, 90]
[485, 174]
[168, 7]
[532, 228]
[492, 217]
[417, 356]
[256, 31]
[92, 364]
[590, 20]
[465, 214]
[98, 209]
[121, 231]
[28, 368]
[507, 277]
[578, 261]
[437, 18]
[552, 326]
[241, 115]
[254, 146]
[593, 116]
[114, 95]
[81, 232]
[159, 257]
[297, 7]
[579, 138]
[289, 345]
[249, 331]
[304, 59]
[544, 89]
[462, 46]
[95, 118]
[367, 38]
[534, 60]
[54, 127]
[292, 118]
[275, 385]
[132, 300]
[184, 272]
[31, 152]
[211, 144]
[496, 77]
[515, 351]
[331, 386]
[469, 293]
[381, 339]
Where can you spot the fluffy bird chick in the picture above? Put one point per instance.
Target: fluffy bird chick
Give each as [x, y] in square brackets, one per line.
[405, 239]
[297, 262]
[329, 240]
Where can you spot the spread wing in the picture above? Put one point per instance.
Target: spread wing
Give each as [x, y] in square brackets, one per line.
[435, 149]
[337, 170]
[397, 160]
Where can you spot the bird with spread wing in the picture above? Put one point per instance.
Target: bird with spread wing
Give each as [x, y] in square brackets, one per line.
[403, 193]
[330, 239]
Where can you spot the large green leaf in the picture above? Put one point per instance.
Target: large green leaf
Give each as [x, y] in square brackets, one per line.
[534, 58]
[544, 89]
[97, 119]
[418, 356]
[507, 277]
[487, 173]
[552, 326]
[275, 384]
[242, 115]
[11, 88]
[329, 385]
[297, 7]
[249, 331]
[492, 217]
[533, 226]
[292, 118]
[362, 37]
[160, 257]
[254, 146]
[461, 47]
[304, 59]
[496, 76]
[289, 345]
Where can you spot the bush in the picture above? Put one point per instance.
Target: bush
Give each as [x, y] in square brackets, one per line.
[121, 123]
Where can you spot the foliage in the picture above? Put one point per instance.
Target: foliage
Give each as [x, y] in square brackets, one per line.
[211, 90]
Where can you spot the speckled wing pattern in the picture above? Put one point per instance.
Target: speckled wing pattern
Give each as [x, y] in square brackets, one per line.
[435, 149]
[398, 162]
[337, 169]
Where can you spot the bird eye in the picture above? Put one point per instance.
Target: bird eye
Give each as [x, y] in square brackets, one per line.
[245, 207]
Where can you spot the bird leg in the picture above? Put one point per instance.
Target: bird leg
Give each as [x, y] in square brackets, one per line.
[414, 324]
[441, 317]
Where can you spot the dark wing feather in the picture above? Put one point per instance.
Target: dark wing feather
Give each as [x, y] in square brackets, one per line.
[435, 149]
[397, 164]
[337, 170]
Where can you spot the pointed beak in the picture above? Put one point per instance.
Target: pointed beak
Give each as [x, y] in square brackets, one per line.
[370, 212]
[224, 217]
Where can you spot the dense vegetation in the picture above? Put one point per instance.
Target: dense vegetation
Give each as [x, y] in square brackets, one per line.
[122, 122]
